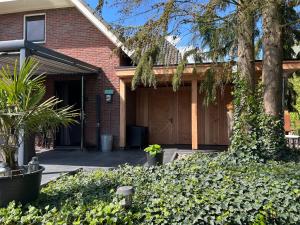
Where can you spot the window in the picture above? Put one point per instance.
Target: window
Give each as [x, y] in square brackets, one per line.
[35, 28]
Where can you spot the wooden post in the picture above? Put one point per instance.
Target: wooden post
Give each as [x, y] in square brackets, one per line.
[194, 114]
[122, 114]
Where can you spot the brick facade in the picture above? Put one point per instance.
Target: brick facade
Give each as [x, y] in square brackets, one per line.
[70, 32]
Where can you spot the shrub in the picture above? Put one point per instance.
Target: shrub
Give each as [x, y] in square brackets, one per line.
[201, 189]
[153, 150]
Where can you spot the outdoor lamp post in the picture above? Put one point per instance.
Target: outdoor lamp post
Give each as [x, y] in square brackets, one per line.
[126, 193]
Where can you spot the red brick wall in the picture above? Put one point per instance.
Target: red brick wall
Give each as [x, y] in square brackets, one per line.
[69, 32]
[287, 122]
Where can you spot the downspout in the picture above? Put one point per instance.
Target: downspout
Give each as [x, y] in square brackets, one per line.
[98, 119]
[82, 115]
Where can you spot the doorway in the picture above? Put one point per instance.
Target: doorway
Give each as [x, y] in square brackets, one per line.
[162, 116]
[70, 94]
[166, 113]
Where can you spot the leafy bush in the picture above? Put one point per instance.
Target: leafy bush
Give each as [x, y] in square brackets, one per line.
[201, 189]
[153, 150]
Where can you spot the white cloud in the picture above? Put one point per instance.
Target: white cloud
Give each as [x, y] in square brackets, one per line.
[191, 59]
[183, 50]
[174, 40]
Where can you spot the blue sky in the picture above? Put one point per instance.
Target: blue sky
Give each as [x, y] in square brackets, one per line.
[111, 15]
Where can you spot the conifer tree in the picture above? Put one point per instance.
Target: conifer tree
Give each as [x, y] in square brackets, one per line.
[219, 31]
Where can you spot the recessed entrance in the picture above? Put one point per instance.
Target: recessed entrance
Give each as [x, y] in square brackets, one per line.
[170, 116]
[70, 94]
[166, 114]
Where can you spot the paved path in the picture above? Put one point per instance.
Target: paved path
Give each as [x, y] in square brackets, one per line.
[58, 162]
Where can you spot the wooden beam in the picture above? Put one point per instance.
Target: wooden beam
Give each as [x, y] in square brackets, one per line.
[194, 117]
[163, 71]
[167, 72]
[122, 114]
[289, 66]
[165, 78]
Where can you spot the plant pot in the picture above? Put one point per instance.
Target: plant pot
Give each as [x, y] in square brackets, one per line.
[155, 160]
[20, 188]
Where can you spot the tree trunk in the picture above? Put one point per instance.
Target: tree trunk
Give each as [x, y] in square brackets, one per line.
[244, 126]
[246, 56]
[272, 58]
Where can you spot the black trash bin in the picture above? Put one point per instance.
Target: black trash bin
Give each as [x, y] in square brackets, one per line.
[137, 136]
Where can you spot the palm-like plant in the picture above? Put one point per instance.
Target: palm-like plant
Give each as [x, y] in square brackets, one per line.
[23, 109]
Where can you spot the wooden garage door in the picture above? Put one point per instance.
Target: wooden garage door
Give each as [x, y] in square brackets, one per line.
[162, 115]
[166, 113]
[212, 120]
[168, 116]
[184, 128]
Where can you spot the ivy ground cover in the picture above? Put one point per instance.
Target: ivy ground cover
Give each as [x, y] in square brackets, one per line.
[200, 189]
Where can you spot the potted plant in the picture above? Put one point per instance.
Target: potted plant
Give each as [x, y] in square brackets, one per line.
[155, 155]
[23, 111]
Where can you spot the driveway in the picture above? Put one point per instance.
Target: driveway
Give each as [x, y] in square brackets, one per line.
[57, 162]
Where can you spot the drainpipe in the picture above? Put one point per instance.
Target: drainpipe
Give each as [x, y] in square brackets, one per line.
[82, 113]
[98, 102]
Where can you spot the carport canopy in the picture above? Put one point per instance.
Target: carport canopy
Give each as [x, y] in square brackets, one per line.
[50, 61]
[193, 73]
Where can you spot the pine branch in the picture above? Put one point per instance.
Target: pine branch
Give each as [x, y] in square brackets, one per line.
[291, 23]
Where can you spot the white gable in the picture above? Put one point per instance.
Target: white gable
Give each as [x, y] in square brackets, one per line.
[15, 6]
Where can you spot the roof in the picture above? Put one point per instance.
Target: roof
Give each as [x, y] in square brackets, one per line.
[15, 6]
[169, 55]
[50, 62]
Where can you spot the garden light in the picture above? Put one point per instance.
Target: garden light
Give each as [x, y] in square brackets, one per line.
[126, 193]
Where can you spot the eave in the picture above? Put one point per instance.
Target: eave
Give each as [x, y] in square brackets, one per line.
[166, 72]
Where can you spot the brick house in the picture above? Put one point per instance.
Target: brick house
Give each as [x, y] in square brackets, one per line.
[72, 29]
[75, 48]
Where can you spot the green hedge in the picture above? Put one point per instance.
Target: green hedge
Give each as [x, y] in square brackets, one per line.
[200, 189]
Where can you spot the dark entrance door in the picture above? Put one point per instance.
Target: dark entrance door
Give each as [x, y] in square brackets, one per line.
[70, 94]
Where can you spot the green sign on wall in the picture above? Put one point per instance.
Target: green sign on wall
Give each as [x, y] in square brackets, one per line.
[108, 91]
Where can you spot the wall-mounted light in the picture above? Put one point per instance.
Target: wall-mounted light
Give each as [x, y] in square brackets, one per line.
[108, 95]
